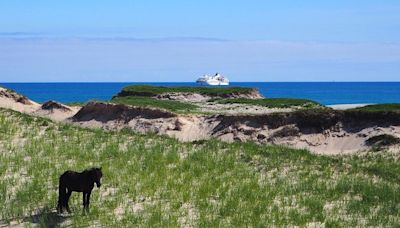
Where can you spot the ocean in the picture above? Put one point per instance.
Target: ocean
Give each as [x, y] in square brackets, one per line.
[327, 93]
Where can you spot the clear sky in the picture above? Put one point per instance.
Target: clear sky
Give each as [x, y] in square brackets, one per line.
[254, 40]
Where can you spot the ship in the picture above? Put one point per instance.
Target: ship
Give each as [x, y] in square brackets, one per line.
[216, 80]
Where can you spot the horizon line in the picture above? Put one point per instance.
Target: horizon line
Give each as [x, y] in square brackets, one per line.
[195, 82]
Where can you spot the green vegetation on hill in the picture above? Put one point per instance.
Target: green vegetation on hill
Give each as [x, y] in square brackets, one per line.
[379, 107]
[157, 181]
[7, 89]
[77, 103]
[140, 95]
[273, 102]
[174, 106]
[212, 91]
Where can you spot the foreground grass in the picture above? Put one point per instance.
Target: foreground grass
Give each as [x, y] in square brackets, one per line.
[273, 102]
[157, 181]
[379, 107]
[174, 106]
[212, 91]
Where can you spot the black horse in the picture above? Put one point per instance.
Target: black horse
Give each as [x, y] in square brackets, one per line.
[79, 182]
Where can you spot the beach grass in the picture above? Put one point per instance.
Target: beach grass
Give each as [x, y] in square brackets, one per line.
[174, 106]
[152, 180]
[212, 91]
[379, 107]
[272, 102]
[77, 103]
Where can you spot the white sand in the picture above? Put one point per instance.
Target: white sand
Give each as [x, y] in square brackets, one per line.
[346, 106]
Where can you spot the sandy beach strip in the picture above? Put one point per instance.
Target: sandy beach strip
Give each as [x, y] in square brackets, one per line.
[346, 106]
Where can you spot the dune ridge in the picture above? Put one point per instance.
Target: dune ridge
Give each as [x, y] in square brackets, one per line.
[324, 132]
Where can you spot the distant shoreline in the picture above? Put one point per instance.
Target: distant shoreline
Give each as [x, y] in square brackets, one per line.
[327, 93]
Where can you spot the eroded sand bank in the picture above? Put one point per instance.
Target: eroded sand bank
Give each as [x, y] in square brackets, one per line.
[328, 133]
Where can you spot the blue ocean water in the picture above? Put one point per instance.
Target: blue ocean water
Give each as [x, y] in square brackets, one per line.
[324, 92]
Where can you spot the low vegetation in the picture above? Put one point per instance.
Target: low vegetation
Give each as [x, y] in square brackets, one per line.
[273, 102]
[73, 104]
[383, 140]
[174, 106]
[379, 107]
[10, 90]
[151, 180]
[148, 90]
[146, 95]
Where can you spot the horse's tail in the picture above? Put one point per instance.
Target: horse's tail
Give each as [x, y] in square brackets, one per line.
[62, 193]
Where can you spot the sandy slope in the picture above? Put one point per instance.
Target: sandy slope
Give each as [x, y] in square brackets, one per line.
[346, 136]
[9, 100]
[229, 127]
[203, 128]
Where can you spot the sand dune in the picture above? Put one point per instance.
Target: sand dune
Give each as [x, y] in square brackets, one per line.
[331, 132]
[20, 103]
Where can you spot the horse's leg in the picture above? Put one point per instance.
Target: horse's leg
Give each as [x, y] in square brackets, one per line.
[67, 200]
[88, 201]
[84, 200]
[60, 205]
[61, 197]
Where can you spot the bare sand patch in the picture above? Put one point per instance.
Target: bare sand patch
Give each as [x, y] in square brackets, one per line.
[346, 106]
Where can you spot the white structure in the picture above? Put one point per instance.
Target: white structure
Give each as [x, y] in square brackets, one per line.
[215, 80]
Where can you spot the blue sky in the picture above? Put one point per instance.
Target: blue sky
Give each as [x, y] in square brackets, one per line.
[123, 40]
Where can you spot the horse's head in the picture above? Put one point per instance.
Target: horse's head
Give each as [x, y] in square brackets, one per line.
[98, 174]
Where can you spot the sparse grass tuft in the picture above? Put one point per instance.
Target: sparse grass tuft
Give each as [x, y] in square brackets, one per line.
[8, 90]
[72, 104]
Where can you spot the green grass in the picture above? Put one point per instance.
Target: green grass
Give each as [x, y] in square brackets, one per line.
[379, 107]
[272, 102]
[174, 106]
[152, 180]
[212, 91]
[76, 103]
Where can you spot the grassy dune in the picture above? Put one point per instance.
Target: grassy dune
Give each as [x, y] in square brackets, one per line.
[379, 107]
[152, 180]
[174, 106]
[143, 95]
